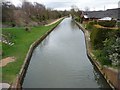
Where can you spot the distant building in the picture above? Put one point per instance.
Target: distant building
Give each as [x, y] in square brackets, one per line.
[113, 13]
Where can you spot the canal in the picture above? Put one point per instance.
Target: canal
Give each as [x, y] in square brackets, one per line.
[60, 61]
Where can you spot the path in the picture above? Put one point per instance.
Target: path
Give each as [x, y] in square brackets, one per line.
[7, 60]
[53, 22]
[4, 85]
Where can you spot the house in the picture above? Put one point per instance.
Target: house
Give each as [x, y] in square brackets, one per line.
[113, 13]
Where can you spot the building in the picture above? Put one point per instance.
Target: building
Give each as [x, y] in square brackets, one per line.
[113, 13]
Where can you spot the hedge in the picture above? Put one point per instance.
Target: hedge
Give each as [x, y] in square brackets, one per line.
[97, 37]
[107, 23]
[90, 25]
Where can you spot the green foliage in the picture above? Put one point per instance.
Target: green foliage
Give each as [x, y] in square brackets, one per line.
[118, 24]
[102, 58]
[78, 19]
[112, 48]
[107, 23]
[90, 25]
[97, 37]
[106, 43]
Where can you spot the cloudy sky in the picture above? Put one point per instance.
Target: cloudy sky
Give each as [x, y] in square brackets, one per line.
[81, 4]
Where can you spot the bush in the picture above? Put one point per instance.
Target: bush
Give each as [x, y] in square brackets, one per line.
[77, 19]
[107, 23]
[97, 37]
[27, 29]
[102, 57]
[118, 24]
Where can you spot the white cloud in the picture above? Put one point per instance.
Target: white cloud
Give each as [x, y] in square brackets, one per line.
[66, 4]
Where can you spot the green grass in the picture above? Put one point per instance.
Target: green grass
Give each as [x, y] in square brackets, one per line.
[22, 40]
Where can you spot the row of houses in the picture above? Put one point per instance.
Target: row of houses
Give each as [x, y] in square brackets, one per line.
[109, 14]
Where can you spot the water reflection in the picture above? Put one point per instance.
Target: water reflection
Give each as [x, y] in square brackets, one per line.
[73, 25]
[46, 41]
[100, 80]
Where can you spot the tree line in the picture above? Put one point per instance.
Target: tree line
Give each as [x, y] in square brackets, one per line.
[28, 14]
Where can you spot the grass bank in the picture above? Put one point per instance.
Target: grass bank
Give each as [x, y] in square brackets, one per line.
[22, 40]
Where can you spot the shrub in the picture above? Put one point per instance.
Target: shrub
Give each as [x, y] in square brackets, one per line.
[27, 29]
[118, 23]
[107, 23]
[112, 48]
[77, 19]
[102, 57]
[97, 37]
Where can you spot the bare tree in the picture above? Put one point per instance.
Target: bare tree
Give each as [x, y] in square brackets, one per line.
[29, 13]
[87, 9]
[8, 12]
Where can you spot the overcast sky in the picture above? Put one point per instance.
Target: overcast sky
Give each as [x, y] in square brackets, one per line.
[81, 4]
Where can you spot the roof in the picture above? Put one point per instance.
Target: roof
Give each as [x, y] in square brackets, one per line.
[85, 16]
[106, 18]
[113, 13]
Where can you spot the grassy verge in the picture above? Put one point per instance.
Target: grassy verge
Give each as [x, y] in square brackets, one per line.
[22, 40]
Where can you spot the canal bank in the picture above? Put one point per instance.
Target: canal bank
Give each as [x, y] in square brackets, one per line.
[111, 75]
[17, 84]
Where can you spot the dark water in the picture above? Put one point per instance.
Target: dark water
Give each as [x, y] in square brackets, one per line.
[60, 61]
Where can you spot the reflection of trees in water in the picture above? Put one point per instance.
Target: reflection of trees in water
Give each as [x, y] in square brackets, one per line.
[41, 46]
[44, 42]
[73, 25]
[100, 79]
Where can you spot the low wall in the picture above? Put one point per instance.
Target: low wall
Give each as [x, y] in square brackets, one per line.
[111, 75]
[17, 84]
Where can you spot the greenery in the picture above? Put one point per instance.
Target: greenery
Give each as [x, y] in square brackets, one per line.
[90, 25]
[112, 48]
[118, 23]
[97, 37]
[101, 56]
[106, 45]
[107, 23]
[22, 40]
[105, 42]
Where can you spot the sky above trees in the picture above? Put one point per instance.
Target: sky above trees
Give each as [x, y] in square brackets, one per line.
[81, 4]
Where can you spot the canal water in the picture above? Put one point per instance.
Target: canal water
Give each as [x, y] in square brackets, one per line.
[60, 61]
